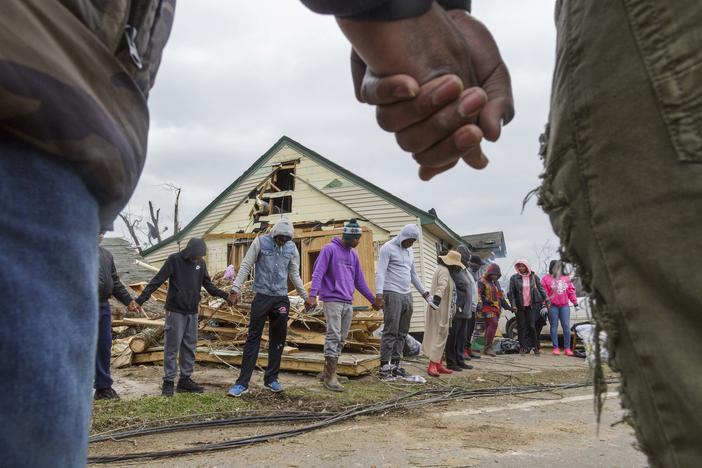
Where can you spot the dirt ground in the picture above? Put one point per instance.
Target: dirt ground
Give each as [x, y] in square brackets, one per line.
[545, 429]
[140, 381]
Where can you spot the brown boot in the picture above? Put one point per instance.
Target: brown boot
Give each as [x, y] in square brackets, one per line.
[330, 380]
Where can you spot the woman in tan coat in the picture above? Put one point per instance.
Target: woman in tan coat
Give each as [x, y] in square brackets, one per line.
[437, 321]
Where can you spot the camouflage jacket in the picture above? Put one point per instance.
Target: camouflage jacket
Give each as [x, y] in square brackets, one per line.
[74, 79]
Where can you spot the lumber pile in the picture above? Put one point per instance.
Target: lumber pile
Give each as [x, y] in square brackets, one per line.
[223, 330]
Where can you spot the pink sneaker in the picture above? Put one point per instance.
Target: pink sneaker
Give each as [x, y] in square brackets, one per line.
[557, 352]
[568, 352]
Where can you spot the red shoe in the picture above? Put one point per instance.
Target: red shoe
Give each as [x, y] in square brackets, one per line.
[568, 352]
[432, 370]
[443, 370]
[556, 351]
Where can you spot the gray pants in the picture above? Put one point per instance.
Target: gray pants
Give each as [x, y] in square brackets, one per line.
[179, 334]
[397, 314]
[338, 315]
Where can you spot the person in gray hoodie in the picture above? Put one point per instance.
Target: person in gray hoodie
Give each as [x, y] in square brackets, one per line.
[276, 258]
[394, 275]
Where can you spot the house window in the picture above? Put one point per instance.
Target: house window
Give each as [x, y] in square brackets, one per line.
[282, 204]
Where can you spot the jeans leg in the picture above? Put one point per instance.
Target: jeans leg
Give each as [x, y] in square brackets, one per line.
[188, 345]
[48, 284]
[103, 379]
[277, 332]
[259, 313]
[564, 316]
[346, 318]
[332, 313]
[553, 322]
[173, 330]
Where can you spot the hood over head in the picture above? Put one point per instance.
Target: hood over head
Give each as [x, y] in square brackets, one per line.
[410, 231]
[284, 227]
[465, 253]
[196, 248]
[524, 262]
[494, 269]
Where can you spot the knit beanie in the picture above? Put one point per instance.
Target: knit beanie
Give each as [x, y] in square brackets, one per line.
[352, 230]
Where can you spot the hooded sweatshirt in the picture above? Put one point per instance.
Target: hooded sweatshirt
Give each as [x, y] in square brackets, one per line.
[491, 295]
[274, 264]
[185, 278]
[395, 271]
[525, 290]
[560, 290]
[337, 274]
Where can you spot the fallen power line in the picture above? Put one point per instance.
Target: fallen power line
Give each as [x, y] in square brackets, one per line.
[319, 420]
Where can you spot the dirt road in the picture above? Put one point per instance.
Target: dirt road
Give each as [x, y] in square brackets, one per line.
[545, 429]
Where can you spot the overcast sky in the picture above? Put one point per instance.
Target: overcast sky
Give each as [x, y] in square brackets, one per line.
[236, 76]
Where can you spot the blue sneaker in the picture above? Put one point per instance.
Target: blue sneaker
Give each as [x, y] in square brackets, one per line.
[274, 386]
[238, 390]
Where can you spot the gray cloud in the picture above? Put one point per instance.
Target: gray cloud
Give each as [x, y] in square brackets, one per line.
[237, 76]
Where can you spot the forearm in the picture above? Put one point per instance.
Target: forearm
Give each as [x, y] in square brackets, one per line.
[246, 265]
[320, 269]
[120, 293]
[435, 45]
[294, 275]
[380, 10]
[380, 271]
[362, 286]
[417, 282]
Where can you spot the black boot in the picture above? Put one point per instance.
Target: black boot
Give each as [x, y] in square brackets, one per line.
[187, 385]
[106, 394]
[167, 388]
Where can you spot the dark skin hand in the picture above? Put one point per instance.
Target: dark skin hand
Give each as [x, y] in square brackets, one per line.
[437, 120]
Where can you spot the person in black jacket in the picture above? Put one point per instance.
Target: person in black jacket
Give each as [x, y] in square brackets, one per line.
[109, 284]
[527, 296]
[458, 331]
[186, 273]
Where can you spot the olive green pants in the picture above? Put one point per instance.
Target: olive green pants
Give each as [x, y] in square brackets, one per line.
[623, 189]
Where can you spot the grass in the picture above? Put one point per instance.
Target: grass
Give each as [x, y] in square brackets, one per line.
[114, 414]
[110, 414]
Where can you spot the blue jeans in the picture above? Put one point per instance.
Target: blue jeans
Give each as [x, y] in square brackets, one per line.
[103, 379]
[48, 322]
[554, 315]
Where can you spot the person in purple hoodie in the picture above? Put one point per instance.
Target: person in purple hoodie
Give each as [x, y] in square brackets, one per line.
[337, 275]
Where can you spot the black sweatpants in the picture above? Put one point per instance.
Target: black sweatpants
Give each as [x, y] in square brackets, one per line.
[456, 342]
[275, 309]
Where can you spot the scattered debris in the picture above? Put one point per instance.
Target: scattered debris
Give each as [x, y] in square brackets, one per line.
[223, 330]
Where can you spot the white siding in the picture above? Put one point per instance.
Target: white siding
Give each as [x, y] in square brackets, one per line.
[312, 201]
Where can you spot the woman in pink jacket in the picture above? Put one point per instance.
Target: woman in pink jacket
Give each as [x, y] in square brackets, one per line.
[560, 291]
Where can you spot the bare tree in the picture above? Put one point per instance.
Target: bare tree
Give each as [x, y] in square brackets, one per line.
[544, 253]
[133, 226]
[154, 231]
[176, 190]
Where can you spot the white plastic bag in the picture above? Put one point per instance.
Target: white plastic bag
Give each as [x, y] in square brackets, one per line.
[586, 332]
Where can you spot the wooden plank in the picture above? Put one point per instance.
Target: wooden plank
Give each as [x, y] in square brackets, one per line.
[350, 364]
[158, 323]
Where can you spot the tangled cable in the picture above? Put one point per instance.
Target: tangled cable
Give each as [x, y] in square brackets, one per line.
[319, 420]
